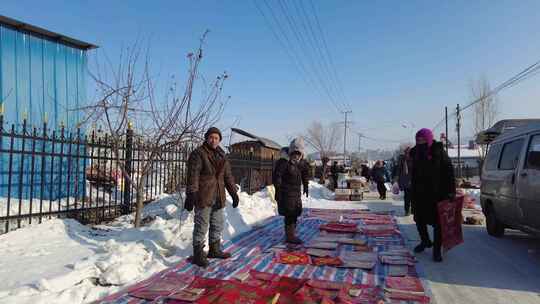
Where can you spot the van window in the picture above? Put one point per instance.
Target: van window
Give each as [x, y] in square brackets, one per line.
[492, 158]
[510, 155]
[533, 154]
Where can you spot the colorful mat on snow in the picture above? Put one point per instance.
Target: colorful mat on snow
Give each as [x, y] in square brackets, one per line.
[252, 250]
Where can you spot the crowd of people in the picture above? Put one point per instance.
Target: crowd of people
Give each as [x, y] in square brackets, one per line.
[423, 172]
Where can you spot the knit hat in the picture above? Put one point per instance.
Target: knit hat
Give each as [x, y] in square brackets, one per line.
[428, 136]
[213, 130]
[297, 145]
[425, 134]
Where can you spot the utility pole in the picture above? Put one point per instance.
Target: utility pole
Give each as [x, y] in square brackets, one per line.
[458, 129]
[446, 134]
[345, 137]
[359, 141]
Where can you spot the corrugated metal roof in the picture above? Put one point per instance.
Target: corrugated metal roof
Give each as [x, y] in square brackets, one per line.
[45, 34]
[264, 141]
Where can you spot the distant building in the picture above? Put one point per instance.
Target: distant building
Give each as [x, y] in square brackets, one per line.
[470, 159]
[261, 154]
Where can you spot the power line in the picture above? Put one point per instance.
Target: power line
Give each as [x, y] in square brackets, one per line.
[330, 68]
[300, 39]
[287, 45]
[527, 73]
[315, 72]
[326, 47]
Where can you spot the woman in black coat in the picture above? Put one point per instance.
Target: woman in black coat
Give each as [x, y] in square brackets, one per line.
[432, 181]
[290, 176]
[378, 174]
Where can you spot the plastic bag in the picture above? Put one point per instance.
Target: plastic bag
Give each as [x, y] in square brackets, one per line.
[395, 188]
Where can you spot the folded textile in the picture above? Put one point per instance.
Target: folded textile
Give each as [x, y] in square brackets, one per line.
[350, 241]
[398, 270]
[404, 284]
[326, 261]
[293, 258]
[339, 227]
[322, 245]
[320, 252]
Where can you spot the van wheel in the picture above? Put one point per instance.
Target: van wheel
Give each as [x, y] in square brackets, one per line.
[494, 226]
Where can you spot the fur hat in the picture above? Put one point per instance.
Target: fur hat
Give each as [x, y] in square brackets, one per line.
[213, 130]
[297, 145]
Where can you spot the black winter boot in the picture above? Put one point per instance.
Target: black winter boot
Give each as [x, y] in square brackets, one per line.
[290, 234]
[424, 236]
[199, 256]
[215, 251]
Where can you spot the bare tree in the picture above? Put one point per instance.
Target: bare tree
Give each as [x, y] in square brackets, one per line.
[325, 140]
[127, 101]
[485, 110]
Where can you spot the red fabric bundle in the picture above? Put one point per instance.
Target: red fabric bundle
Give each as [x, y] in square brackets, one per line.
[339, 227]
[327, 261]
[293, 258]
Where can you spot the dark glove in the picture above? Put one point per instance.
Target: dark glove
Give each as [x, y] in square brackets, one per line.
[235, 199]
[306, 191]
[191, 200]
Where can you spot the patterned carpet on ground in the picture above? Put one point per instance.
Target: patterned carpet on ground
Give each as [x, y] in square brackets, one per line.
[348, 256]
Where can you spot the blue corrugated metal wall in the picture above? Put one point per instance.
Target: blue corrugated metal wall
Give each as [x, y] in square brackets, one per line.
[39, 79]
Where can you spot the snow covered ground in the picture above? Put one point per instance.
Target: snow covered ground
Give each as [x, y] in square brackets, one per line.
[62, 261]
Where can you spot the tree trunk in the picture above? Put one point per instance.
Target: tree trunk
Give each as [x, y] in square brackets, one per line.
[139, 202]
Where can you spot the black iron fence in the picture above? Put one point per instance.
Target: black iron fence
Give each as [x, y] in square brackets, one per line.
[47, 173]
[56, 173]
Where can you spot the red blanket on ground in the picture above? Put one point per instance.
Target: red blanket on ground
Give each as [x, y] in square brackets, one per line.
[294, 258]
[339, 227]
[450, 218]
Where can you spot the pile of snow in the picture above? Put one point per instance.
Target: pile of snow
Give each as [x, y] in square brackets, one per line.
[62, 261]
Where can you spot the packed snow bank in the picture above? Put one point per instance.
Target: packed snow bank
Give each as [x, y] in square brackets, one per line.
[62, 261]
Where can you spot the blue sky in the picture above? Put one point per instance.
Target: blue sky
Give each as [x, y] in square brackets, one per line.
[399, 61]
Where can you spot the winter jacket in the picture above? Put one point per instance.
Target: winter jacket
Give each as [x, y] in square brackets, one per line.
[366, 172]
[334, 170]
[288, 180]
[402, 172]
[432, 181]
[209, 174]
[378, 174]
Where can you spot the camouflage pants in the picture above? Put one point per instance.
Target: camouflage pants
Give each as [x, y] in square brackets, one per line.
[205, 218]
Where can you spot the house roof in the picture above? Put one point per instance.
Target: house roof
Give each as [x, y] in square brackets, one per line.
[268, 143]
[44, 34]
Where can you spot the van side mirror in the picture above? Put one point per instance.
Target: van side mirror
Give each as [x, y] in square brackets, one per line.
[533, 160]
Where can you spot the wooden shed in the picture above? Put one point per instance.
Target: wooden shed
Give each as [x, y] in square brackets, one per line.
[252, 161]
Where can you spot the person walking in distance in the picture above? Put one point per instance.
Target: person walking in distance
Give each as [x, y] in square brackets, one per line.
[209, 174]
[402, 176]
[378, 175]
[290, 175]
[432, 181]
[334, 171]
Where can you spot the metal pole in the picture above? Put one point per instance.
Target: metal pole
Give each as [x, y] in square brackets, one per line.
[345, 138]
[458, 129]
[446, 134]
